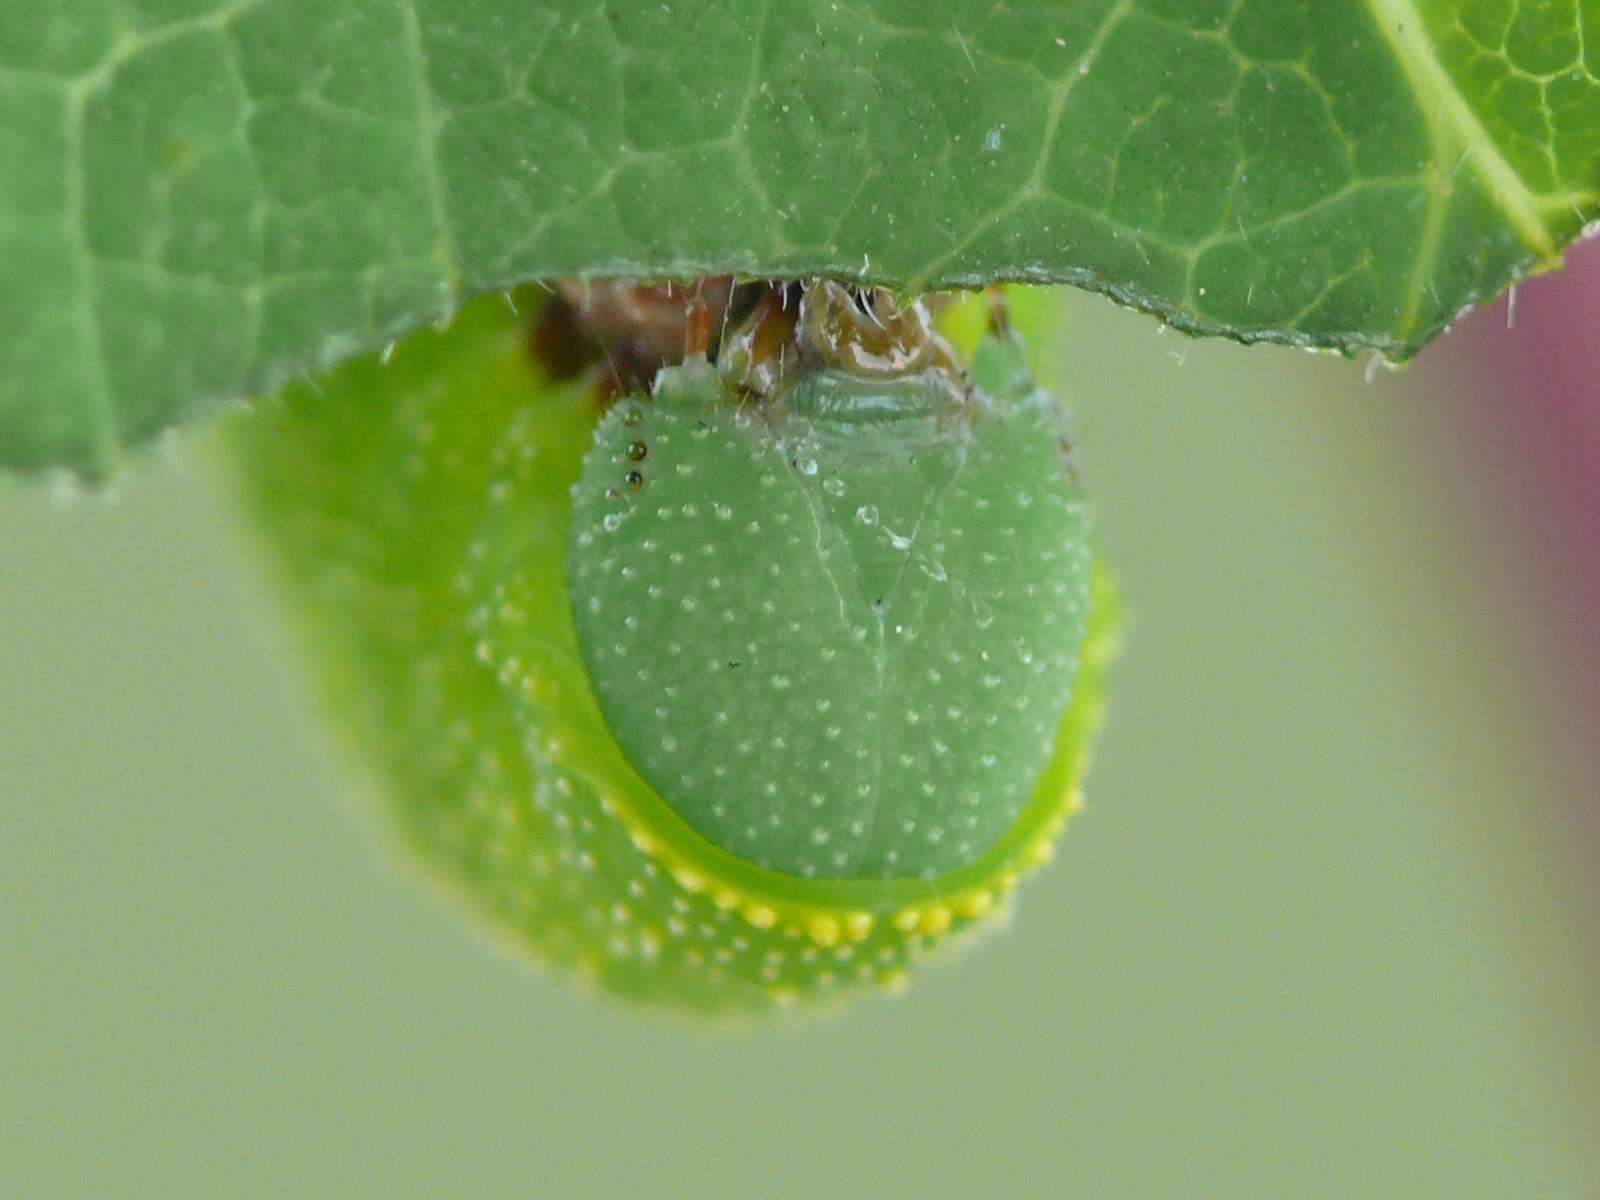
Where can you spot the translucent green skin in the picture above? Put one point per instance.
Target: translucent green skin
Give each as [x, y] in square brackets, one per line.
[836, 632]
[417, 513]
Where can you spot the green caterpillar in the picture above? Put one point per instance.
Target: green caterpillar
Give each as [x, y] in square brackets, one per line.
[741, 693]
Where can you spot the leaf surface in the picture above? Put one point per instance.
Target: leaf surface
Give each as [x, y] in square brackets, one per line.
[199, 200]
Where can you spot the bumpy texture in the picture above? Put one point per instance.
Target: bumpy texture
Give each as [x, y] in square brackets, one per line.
[835, 632]
[418, 510]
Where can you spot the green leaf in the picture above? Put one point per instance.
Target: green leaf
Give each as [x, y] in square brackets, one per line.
[199, 200]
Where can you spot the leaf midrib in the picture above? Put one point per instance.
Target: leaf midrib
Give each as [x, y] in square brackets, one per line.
[1451, 122]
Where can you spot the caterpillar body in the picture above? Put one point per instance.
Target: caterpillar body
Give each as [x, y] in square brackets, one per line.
[737, 692]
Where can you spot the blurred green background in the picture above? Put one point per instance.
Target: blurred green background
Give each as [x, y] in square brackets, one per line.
[1318, 933]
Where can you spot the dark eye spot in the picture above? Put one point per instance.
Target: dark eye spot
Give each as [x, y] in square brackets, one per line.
[637, 451]
[634, 480]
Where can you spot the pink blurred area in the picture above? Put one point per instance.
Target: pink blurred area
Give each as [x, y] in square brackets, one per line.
[1516, 391]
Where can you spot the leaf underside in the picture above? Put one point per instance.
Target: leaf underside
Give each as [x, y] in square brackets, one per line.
[199, 200]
